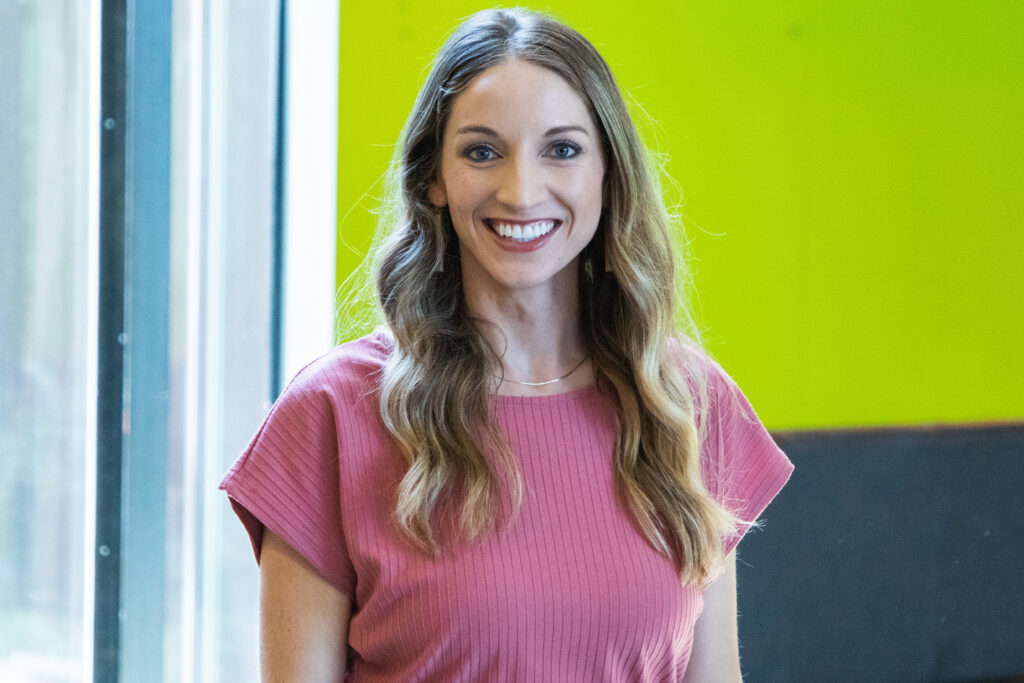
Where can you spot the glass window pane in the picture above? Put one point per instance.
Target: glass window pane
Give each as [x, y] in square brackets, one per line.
[46, 347]
[224, 111]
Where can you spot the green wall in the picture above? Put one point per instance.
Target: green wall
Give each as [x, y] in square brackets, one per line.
[851, 175]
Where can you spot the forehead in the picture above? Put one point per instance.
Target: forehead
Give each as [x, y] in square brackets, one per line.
[517, 95]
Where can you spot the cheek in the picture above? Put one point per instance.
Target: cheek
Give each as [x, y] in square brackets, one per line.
[463, 191]
[463, 200]
[587, 194]
[585, 183]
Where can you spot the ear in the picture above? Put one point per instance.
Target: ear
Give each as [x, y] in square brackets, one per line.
[437, 193]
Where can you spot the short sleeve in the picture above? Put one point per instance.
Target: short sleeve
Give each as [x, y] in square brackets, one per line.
[743, 468]
[288, 481]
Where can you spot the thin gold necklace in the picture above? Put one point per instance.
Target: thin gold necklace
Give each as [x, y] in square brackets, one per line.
[550, 381]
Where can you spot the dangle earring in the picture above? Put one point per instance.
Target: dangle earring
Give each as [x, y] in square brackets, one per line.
[605, 251]
[439, 227]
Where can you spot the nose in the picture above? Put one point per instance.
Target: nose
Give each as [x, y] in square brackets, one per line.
[521, 184]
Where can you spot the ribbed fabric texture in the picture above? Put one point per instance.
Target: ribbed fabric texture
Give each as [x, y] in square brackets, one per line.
[571, 591]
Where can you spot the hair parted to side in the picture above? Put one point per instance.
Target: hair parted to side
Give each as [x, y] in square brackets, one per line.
[435, 386]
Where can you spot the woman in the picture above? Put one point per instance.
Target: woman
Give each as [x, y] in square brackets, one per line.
[527, 473]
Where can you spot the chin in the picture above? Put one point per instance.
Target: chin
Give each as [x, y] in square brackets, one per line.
[506, 282]
[524, 282]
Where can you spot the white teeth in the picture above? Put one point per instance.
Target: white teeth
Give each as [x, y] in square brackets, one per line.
[524, 233]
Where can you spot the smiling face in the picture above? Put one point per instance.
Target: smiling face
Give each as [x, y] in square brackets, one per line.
[521, 173]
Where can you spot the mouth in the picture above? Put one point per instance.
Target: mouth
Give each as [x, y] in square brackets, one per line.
[522, 233]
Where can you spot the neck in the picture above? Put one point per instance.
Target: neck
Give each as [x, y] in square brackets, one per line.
[535, 332]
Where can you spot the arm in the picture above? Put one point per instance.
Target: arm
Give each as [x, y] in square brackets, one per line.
[716, 655]
[303, 619]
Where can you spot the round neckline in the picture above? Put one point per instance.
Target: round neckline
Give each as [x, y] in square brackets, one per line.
[386, 341]
[572, 393]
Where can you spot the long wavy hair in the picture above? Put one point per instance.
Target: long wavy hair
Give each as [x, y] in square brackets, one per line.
[436, 385]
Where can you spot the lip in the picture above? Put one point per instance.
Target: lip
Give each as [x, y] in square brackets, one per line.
[509, 244]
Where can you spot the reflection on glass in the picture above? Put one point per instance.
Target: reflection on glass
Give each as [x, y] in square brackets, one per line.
[44, 338]
[219, 315]
[224, 98]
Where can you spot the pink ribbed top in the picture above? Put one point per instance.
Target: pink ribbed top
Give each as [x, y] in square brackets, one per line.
[571, 591]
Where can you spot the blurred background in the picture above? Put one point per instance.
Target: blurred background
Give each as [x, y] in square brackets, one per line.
[849, 173]
[186, 186]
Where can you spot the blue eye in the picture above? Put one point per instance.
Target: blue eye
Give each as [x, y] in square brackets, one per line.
[479, 153]
[565, 149]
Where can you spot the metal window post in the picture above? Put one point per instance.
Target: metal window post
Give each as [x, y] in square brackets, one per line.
[135, 154]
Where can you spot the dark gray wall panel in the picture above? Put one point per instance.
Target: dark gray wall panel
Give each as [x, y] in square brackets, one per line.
[892, 555]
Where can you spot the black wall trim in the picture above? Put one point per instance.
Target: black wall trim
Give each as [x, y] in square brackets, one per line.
[110, 390]
[278, 246]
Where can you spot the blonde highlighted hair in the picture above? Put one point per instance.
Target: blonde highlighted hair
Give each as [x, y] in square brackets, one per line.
[435, 387]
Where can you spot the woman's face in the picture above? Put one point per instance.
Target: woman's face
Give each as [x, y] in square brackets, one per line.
[521, 173]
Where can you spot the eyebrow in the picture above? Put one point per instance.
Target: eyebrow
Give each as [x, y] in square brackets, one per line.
[557, 130]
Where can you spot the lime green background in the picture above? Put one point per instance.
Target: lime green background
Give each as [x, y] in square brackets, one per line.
[851, 174]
